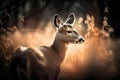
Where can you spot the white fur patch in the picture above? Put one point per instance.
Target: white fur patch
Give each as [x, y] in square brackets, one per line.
[23, 48]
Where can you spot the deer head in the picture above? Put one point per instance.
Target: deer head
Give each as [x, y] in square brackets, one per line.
[66, 31]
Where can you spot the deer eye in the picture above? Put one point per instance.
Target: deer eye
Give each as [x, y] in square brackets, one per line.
[69, 31]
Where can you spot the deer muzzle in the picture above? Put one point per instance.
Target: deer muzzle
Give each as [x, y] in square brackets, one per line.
[80, 40]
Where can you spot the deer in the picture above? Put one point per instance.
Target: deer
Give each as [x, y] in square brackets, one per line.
[43, 63]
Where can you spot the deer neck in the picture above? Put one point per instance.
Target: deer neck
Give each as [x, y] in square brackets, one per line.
[59, 47]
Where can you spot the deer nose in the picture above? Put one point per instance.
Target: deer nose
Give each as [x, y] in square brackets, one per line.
[80, 40]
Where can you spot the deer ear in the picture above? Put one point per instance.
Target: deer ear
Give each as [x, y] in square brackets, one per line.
[57, 21]
[70, 19]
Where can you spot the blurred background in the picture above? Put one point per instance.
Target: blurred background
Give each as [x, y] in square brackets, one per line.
[12, 12]
[31, 15]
